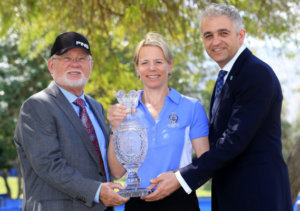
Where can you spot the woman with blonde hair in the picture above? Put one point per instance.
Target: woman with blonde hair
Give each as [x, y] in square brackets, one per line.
[175, 125]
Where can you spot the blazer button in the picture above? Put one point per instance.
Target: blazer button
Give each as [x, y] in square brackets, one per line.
[100, 173]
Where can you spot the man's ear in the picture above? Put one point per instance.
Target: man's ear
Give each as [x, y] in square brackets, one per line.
[242, 35]
[92, 65]
[50, 66]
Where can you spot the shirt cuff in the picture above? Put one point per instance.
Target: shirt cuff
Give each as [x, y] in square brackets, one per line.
[183, 183]
[96, 199]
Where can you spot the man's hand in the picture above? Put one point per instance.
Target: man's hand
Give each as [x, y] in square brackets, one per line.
[109, 197]
[166, 184]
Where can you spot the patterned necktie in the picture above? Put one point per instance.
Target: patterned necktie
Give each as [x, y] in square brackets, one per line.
[85, 119]
[220, 82]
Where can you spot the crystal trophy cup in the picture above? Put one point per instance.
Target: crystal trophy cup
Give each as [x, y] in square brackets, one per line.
[130, 145]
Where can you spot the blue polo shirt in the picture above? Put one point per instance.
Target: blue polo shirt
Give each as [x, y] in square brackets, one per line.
[181, 120]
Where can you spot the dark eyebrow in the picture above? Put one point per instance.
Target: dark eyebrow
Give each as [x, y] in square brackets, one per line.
[223, 30]
[219, 30]
[206, 33]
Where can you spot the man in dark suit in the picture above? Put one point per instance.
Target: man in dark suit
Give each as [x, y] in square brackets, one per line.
[61, 137]
[245, 160]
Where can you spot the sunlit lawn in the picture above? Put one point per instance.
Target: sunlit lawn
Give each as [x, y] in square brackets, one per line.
[13, 184]
[204, 191]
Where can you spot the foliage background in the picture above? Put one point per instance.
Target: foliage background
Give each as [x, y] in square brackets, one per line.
[29, 27]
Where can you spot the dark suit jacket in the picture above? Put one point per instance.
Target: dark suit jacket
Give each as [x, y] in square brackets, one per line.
[58, 161]
[245, 159]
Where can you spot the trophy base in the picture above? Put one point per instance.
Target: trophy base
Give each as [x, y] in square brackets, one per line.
[134, 192]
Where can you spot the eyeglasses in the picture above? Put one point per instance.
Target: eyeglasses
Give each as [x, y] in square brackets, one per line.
[68, 59]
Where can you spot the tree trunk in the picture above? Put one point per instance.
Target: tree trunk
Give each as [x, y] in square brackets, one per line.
[294, 169]
[5, 176]
[20, 188]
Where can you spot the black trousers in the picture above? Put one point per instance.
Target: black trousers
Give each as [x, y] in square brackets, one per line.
[178, 201]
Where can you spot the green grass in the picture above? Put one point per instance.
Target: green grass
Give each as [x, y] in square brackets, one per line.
[13, 184]
[204, 191]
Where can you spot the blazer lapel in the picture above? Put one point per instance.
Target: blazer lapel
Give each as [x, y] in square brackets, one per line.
[97, 110]
[65, 106]
[211, 103]
[236, 68]
[100, 118]
[215, 103]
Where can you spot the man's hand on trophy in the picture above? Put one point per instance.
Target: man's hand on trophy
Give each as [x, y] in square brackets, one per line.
[166, 184]
[109, 197]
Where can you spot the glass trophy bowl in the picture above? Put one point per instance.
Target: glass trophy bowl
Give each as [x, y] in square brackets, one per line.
[130, 145]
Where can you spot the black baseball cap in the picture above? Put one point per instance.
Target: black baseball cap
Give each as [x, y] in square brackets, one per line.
[69, 40]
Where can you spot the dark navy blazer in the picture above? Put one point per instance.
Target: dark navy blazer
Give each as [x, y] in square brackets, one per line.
[245, 160]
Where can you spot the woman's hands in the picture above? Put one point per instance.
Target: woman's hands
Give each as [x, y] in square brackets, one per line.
[115, 114]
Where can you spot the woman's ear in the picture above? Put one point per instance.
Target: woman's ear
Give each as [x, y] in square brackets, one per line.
[170, 68]
[137, 72]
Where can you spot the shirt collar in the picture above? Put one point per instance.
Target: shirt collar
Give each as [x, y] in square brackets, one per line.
[70, 96]
[229, 65]
[173, 96]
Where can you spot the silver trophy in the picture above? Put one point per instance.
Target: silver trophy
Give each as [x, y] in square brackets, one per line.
[130, 145]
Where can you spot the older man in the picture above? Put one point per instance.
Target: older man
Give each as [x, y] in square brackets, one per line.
[61, 137]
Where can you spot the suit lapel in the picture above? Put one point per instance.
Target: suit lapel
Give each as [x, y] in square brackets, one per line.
[98, 113]
[236, 68]
[100, 118]
[70, 114]
[211, 103]
[215, 103]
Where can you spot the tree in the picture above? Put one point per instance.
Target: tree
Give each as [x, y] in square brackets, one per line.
[115, 27]
[20, 77]
[294, 157]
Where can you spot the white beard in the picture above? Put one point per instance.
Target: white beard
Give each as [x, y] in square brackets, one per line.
[64, 81]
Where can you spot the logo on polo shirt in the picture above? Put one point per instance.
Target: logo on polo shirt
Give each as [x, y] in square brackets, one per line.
[82, 44]
[173, 118]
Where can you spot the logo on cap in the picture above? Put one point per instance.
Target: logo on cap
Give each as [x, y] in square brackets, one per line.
[82, 44]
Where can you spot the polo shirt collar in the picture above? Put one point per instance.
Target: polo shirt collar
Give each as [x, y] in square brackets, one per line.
[173, 95]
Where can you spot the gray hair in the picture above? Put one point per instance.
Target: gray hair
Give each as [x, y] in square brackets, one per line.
[230, 11]
[156, 40]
